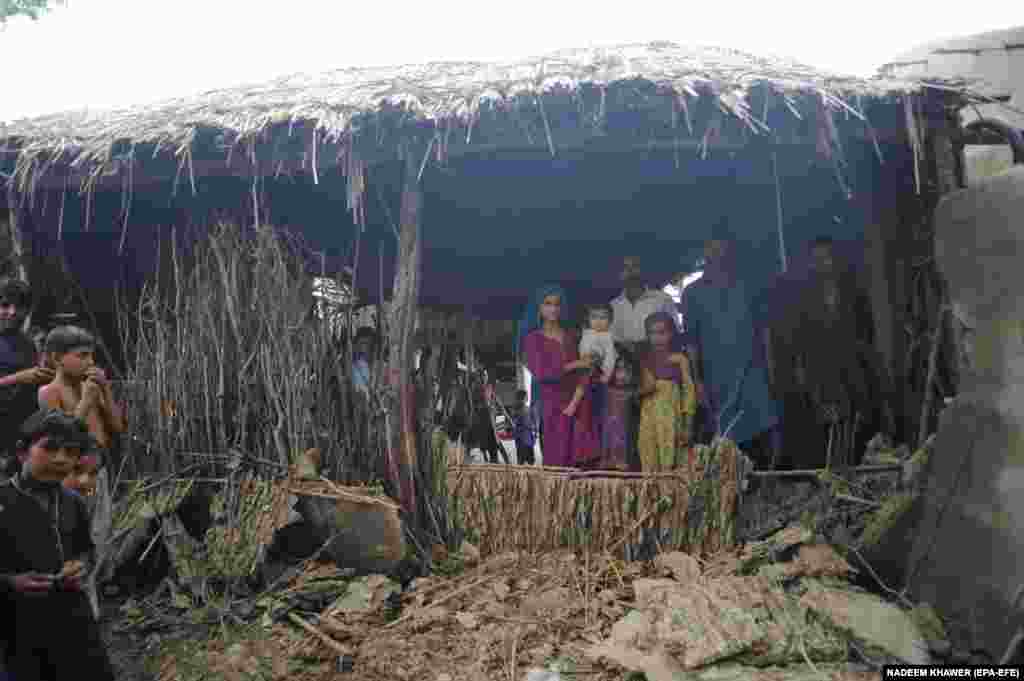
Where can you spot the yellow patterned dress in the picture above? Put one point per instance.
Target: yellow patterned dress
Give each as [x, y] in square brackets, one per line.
[666, 416]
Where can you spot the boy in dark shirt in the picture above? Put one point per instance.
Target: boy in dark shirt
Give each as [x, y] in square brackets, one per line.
[45, 548]
[19, 374]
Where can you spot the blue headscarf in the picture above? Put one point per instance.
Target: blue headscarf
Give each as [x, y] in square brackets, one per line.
[531, 316]
[531, 322]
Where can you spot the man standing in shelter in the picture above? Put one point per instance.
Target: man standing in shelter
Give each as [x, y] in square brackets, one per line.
[727, 351]
[630, 311]
[636, 303]
[837, 392]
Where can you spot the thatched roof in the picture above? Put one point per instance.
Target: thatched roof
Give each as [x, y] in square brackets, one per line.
[537, 100]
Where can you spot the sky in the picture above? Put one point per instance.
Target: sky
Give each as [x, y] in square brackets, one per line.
[112, 53]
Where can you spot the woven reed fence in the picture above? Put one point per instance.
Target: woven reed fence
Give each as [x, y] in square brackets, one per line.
[529, 508]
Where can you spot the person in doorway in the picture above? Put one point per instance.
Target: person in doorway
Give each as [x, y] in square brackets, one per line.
[20, 373]
[728, 355]
[552, 357]
[668, 397]
[630, 310]
[838, 394]
[524, 432]
[45, 552]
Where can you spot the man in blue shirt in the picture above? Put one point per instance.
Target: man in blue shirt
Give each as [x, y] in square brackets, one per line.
[728, 354]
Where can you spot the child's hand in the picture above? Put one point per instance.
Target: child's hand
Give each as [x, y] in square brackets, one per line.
[73, 569]
[98, 375]
[91, 391]
[70, 576]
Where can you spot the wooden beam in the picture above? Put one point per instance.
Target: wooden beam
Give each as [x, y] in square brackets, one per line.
[402, 431]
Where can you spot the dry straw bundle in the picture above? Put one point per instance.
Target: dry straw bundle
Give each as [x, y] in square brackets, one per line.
[232, 359]
[527, 508]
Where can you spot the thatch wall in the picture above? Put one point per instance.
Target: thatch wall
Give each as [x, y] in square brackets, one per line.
[526, 508]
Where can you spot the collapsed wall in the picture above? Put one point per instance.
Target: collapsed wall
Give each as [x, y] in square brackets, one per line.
[967, 553]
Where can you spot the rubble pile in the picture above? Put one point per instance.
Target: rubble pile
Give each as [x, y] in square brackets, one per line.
[783, 609]
[788, 605]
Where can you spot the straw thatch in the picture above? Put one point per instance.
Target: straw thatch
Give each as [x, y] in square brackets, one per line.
[350, 116]
[527, 508]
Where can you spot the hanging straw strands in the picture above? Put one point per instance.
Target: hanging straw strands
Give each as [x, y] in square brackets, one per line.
[354, 117]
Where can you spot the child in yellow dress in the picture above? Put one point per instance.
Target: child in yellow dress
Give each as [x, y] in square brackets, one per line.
[668, 400]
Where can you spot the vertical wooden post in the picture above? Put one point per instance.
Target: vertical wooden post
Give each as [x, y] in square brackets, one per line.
[14, 231]
[886, 289]
[403, 436]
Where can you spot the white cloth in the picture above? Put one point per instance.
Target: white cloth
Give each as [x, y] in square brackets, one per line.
[602, 344]
[628, 323]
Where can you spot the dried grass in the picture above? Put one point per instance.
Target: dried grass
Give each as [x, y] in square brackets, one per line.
[526, 508]
[323, 117]
[233, 367]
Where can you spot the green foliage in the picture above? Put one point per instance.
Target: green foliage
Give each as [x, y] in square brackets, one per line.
[25, 8]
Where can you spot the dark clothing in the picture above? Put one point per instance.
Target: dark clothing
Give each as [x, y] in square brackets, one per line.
[524, 432]
[843, 378]
[17, 402]
[52, 637]
[723, 324]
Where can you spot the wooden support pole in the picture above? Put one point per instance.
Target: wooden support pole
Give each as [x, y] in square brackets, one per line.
[402, 424]
[15, 234]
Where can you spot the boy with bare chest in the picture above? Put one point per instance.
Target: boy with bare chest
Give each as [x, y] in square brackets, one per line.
[80, 388]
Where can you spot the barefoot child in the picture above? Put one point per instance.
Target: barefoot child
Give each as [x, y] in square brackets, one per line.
[668, 399]
[45, 550]
[597, 343]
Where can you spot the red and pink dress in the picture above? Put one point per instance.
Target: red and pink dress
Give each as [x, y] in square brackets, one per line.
[567, 440]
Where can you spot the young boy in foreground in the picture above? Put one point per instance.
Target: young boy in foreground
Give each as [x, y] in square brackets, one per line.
[80, 388]
[45, 547]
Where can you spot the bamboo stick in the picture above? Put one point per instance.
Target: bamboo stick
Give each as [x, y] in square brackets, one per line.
[324, 638]
[933, 360]
[458, 592]
[815, 472]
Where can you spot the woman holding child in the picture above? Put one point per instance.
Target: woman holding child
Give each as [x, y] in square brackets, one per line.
[552, 357]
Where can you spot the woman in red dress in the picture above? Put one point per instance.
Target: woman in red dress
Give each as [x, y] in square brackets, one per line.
[553, 359]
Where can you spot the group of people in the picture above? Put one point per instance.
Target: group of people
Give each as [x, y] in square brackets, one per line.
[58, 418]
[776, 368]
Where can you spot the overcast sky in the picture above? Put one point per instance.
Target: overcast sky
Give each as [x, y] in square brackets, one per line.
[104, 53]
